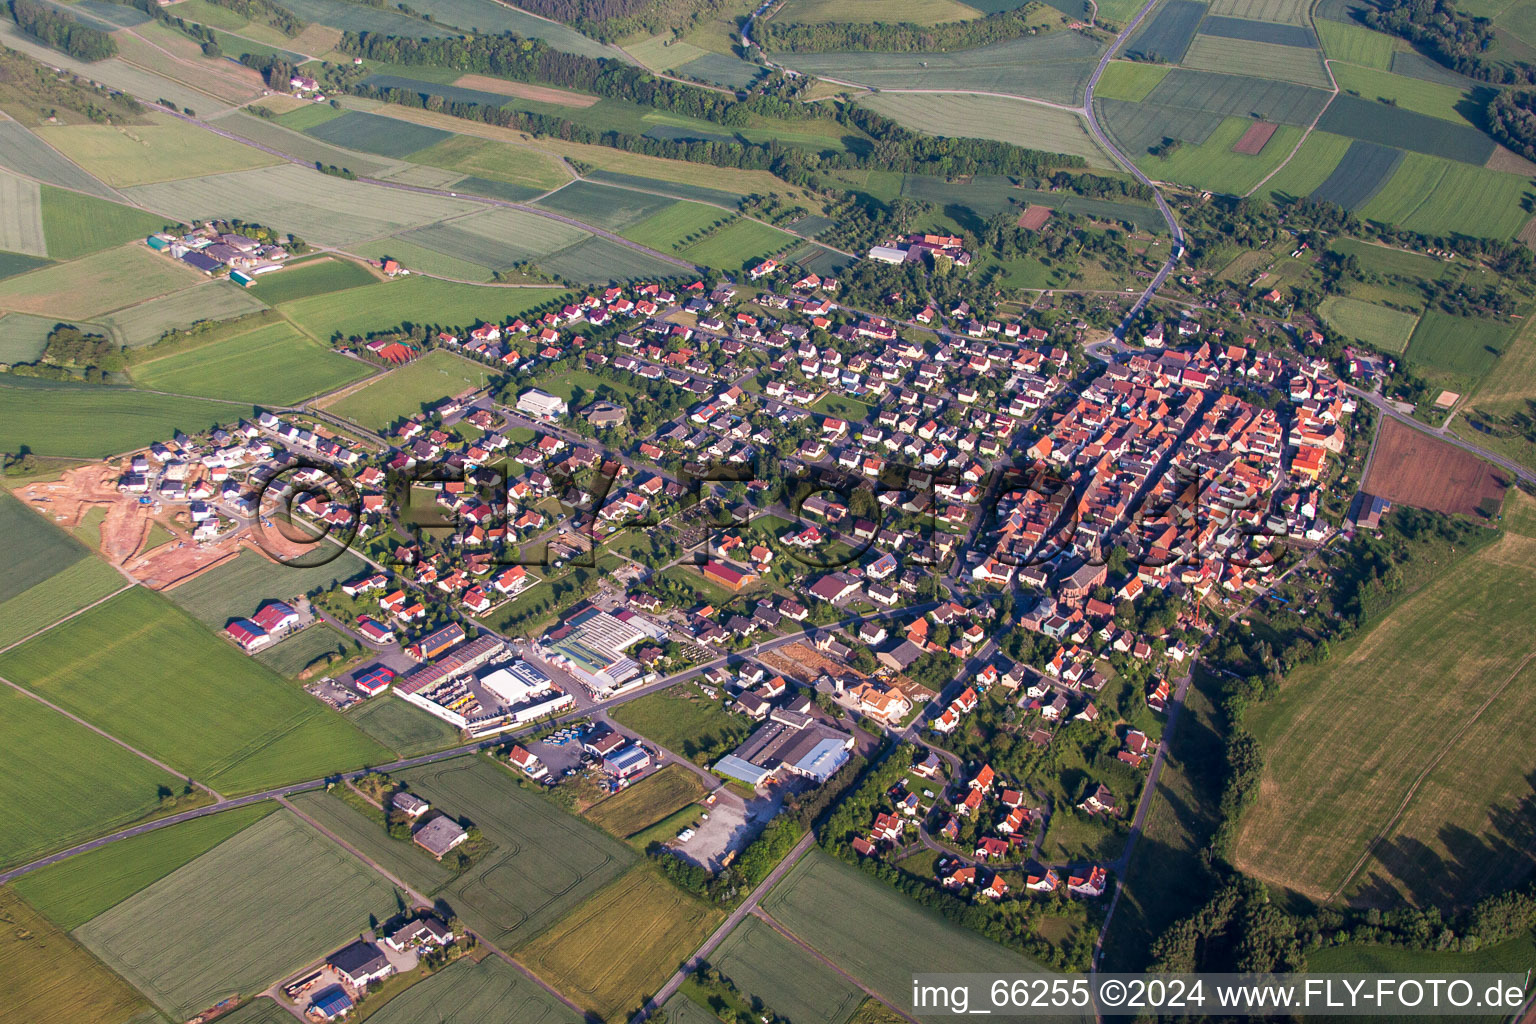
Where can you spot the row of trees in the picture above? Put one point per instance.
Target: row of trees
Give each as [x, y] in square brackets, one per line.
[897, 37]
[61, 31]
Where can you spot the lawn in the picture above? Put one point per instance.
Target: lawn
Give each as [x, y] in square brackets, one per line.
[407, 390]
[213, 713]
[1411, 745]
[546, 862]
[876, 934]
[653, 798]
[789, 981]
[992, 117]
[684, 720]
[286, 895]
[210, 301]
[86, 421]
[48, 979]
[164, 150]
[272, 365]
[311, 277]
[97, 283]
[406, 730]
[66, 591]
[1463, 347]
[1213, 165]
[237, 588]
[37, 549]
[421, 300]
[469, 993]
[1379, 326]
[737, 245]
[73, 891]
[618, 947]
[64, 784]
[675, 225]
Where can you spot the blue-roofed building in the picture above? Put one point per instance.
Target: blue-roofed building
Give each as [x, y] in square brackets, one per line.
[331, 1003]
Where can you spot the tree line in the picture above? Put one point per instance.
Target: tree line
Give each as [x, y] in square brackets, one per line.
[61, 31]
[1452, 38]
[896, 37]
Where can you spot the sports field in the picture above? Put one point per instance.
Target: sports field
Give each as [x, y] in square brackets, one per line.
[546, 861]
[236, 588]
[788, 980]
[73, 891]
[271, 365]
[48, 979]
[403, 392]
[1410, 738]
[472, 993]
[618, 947]
[1215, 165]
[95, 284]
[647, 801]
[1379, 326]
[85, 421]
[286, 895]
[214, 714]
[147, 322]
[164, 150]
[870, 930]
[388, 304]
[992, 117]
[311, 277]
[736, 245]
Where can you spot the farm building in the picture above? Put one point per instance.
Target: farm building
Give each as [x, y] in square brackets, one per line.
[440, 835]
[409, 804]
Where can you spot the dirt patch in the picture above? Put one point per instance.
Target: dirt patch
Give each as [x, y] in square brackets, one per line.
[524, 91]
[1035, 217]
[806, 663]
[1255, 138]
[69, 499]
[1412, 468]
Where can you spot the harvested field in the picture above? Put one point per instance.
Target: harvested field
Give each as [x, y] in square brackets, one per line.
[147, 322]
[992, 117]
[1035, 217]
[48, 979]
[21, 216]
[527, 91]
[1255, 138]
[1412, 468]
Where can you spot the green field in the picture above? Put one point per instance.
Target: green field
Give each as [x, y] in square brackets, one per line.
[1260, 60]
[73, 891]
[423, 300]
[64, 784]
[165, 150]
[147, 322]
[1310, 167]
[419, 259]
[653, 798]
[788, 980]
[672, 226]
[683, 720]
[1379, 326]
[35, 548]
[1289, 12]
[498, 161]
[604, 205]
[1354, 45]
[1443, 101]
[61, 594]
[371, 133]
[237, 588]
[475, 993]
[217, 715]
[97, 283]
[917, 12]
[23, 338]
[1213, 166]
[403, 392]
[406, 730]
[311, 277]
[286, 895]
[870, 930]
[85, 421]
[1464, 347]
[1129, 80]
[1442, 197]
[272, 365]
[546, 861]
[992, 117]
[1514, 956]
[1381, 765]
[77, 225]
[737, 245]
[1506, 392]
[618, 947]
[298, 651]
[402, 858]
[48, 979]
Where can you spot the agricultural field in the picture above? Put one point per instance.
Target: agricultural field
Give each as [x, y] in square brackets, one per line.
[1398, 126]
[219, 717]
[648, 801]
[296, 144]
[88, 421]
[1462, 348]
[1405, 727]
[371, 133]
[618, 947]
[311, 277]
[63, 593]
[918, 12]
[406, 730]
[496, 239]
[237, 588]
[405, 391]
[163, 150]
[1378, 326]
[1236, 95]
[1445, 102]
[44, 808]
[603, 205]
[73, 891]
[419, 259]
[1215, 164]
[870, 929]
[21, 216]
[95, 284]
[1252, 31]
[1506, 391]
[1131, 81]
[1287, 12]
[318, 645]
[546, 862]
[1353, 44]
[519, 165]
[48, 979]
[1441, 197]
[599, 260]
[788, 980]
[388, 304]
[1358, 181]
[1263, 60]
[470, 993]
[291, 368]
[675, 225]
[407, 861]
[286, 893]
[1510, 956]
[26, 154]
[1167, 34]
[991, 117]
[1305, 173]
[23, 338]
[736, 245]
[147, 322]
[35, 548]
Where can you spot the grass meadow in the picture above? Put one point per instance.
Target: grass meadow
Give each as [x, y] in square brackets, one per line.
[1410, 744]
[1442, 101]
[1509, 389]
[653, 798]
[272, 365]
[311, 277]
[1354, 45]
[389, 304]
[684, 720]
[1319, 154]
[286, 895]
[1462, 347]
[164, 150]
[147, 322]
[74, 891]
[406, 730]
[788, 980]
[103, 281]
[237, 588]
[736, 245]
[1213, 165]
[675, 225]
[617, 948]
[207, 710]
[1379, 326]
[404, 391]
[48, 979]
[1131, 81]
